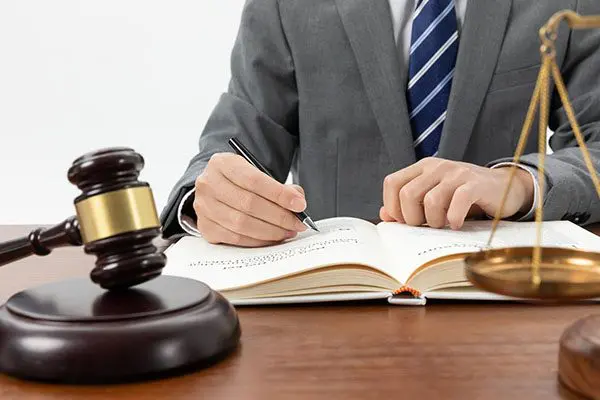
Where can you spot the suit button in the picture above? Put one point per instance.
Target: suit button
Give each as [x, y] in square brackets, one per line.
[583, 218]
[579, 218]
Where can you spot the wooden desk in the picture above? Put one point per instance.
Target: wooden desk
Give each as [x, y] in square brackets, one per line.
[442, 351]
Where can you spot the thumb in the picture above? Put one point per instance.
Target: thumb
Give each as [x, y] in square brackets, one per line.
[298, 188]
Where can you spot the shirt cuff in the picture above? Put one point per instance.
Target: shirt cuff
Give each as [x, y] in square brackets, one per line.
[533, 173]
[186, 222]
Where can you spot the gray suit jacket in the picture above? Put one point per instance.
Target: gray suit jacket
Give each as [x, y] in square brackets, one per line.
[317, 88]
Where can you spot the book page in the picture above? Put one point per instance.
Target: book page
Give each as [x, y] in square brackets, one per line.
[410, 247]
[341, 241]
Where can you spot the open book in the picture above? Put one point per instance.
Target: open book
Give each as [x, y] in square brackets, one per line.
[352, 259]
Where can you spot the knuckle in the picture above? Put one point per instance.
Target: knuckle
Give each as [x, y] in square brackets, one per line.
[464, 191]
[201, 184]
[285, 220]
[432, 200]
[280, 194]
[391, 182]
[408, 193]
[239, 221]
[442, 167]
[388, 180]
[429, 161]
[253, 179]
[462, 174]
[465, 171]
[247, 203]
[200, 205]
[216, 159]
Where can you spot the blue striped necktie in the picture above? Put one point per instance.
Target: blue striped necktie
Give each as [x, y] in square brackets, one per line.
[433, 50]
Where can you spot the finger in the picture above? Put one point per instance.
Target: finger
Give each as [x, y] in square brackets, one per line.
[215, 234]
[412, 196]
[464, 198]
[392, 185]
[436, 203]
[384, 216]
[252, 204]
[299, 189]
[242, 174]
[239, 222]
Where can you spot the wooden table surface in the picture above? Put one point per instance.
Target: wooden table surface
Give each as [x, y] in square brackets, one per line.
[345, 351]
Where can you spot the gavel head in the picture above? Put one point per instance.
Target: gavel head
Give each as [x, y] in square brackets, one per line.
[117, 217]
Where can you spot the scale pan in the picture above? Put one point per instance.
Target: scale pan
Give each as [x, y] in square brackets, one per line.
[565, 274]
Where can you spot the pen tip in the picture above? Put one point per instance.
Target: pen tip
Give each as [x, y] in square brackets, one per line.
[311, 224]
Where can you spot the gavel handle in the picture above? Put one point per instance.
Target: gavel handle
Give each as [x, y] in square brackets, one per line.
[42, 241]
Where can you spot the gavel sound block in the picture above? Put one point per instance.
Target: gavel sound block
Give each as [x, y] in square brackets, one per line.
[127, 322]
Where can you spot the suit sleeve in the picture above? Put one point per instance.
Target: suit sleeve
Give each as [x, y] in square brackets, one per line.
[260, 106]
[570, 193]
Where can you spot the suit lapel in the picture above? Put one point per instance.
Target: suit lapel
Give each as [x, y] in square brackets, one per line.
[480, 45]
[368, 25]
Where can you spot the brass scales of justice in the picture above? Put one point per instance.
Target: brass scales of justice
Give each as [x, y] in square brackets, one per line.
[545, 273]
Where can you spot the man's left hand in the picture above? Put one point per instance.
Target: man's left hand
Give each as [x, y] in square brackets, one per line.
[440, 192]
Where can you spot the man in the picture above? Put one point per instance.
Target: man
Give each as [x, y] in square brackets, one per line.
[390, 109]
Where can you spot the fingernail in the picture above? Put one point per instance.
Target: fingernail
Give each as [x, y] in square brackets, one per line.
[298, 203]
[290, 235]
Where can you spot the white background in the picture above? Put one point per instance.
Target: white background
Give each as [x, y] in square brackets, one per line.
[78, 75]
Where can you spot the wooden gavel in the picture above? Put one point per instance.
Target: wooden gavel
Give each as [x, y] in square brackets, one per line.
[79, 331]
[116, 221]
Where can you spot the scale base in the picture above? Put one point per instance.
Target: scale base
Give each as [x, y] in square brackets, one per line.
[76, 332]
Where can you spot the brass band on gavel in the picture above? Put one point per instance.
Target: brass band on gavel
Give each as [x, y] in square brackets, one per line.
[113, 213]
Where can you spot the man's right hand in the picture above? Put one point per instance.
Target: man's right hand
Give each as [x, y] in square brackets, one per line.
[239, 205]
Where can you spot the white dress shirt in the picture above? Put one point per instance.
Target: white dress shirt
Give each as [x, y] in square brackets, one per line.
[402, 11]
